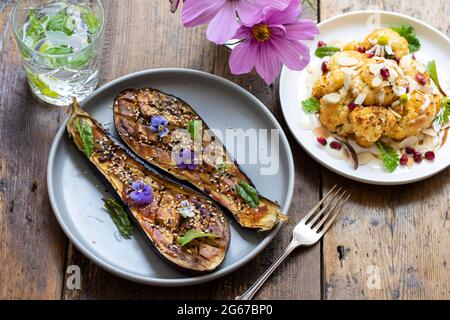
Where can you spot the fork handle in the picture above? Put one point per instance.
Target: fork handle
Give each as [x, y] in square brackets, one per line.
[248, 295]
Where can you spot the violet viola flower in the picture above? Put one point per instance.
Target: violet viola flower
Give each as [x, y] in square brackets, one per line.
[222, 15]
[158, 125]
[186, 160]
[272, 40]
[142, 193]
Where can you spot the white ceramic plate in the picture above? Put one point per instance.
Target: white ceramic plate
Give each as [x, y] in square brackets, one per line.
[355, 26]
[75, 192]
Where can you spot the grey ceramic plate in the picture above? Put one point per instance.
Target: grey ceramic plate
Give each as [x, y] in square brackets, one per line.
[76, 193]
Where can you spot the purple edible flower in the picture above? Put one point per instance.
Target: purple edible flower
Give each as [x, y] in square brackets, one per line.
[185, 160]
[142, 193]
[158, 125]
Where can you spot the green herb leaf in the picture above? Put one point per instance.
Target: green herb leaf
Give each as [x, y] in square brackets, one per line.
[92, 22]
[62, 49]
[443, 115]
[389, 156]
[195, 129]
[326, 51]
[35, 28]
[56, 22]
[248, 193]
[432, 71]
[194, 234]
[311, 105]
[87, 137]
[119, 217]
[408, 32]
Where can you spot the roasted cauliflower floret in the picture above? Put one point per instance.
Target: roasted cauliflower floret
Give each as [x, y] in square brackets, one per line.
[335, 118]
[330, 82]
[411, 67]
[398, 44]
[370, 123]
[417, 113]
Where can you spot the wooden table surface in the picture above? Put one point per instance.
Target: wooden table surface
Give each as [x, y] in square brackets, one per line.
[389, 243]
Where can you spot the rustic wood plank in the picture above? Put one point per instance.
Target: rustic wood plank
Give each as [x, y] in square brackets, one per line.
[159, 40]
[390, 242]
[32, 245]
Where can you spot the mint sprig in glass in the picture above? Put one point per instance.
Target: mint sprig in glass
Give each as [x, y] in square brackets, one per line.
[60, 42]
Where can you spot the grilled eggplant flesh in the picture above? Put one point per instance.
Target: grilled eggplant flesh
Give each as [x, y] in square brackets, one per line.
[174, 209]
[137, 119]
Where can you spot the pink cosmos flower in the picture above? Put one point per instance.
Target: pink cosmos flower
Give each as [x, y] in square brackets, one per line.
[272, 39]
[222, 15]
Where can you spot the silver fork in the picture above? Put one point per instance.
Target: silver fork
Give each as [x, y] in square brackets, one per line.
[306, 233]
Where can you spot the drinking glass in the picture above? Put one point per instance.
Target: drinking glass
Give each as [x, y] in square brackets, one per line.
[60, 43]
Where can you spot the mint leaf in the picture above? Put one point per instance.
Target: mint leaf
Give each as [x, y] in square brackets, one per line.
[195, 129]
[62, 49]
[119, 217]
[42, 85]
[408, 32]
[326, 51]
[35, 29]
[194, 234]
[311, 105]
[248, 193]
[389, 156]
[92, 22]
[56, 22]
[87, 137]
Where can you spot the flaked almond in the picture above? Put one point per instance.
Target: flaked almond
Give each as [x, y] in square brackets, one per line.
[347, 80]
[346, 61]
[418, 122]
[395, 113]
[365, 158]
[428, 142]
[343, 92]
[350, 71]
[332, 98]
[427, 89]
[361, 97]
[410, 162]
[408, 142]
[376, 82]
[321, 132]
[375, 68]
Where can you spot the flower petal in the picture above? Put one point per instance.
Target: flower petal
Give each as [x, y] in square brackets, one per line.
[301, 30]
[196, 12]
[288, 15]
[248, 10]
[243, 57]
[294, 54]
[224, 25]
[268, 64]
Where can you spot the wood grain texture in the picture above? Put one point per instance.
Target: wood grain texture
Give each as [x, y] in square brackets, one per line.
[390, 242]
[32, 245]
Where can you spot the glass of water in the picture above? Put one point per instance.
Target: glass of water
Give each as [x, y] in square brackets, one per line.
[60, 43]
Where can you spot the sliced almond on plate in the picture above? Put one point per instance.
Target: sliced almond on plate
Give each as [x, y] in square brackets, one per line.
[376, 82]
[365, 158]
[321, 132]
[408, 142]
[345, 61]
[332, 98]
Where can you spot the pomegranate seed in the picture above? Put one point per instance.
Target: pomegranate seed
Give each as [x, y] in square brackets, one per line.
[413, 56]
[385, 74]
[335, 145]
[407, 89]
[351, 106]
[370, 55]
[429, 155]
[361, 49]
[421, 79]
[404, 160]
[410, 150]
[324, 67]
[321, 44]
[418, 157]
[322, 141]
[396, 60]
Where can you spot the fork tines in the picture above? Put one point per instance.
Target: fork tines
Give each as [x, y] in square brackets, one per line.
[330, 206]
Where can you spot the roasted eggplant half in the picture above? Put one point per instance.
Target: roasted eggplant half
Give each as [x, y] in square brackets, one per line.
[184, 226]
[166, 132]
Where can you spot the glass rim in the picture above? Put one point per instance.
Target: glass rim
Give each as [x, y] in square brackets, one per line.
[19, 39]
